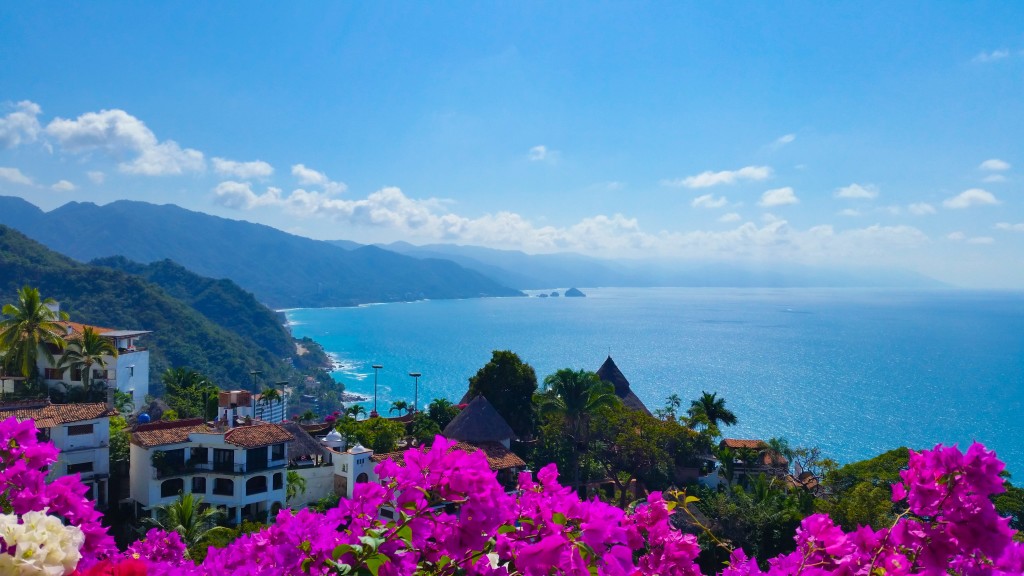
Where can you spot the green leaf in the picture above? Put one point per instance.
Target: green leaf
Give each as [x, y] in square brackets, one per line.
[559, 518]
[373, 563]
[405, 534]
[505, 529]
[691, 499]
[341, 550]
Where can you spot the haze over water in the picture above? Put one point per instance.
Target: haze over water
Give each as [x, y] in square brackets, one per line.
[855, 372]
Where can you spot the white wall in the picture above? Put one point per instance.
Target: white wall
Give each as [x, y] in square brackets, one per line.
[136, 379]
[319, 483]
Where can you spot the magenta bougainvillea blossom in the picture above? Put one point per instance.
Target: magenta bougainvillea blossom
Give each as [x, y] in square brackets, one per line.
[447, 514]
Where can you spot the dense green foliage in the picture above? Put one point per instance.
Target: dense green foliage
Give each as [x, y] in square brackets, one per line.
[189, 394]
[105, 297]
[30, 326]
[860, 493]
[281, 269]
[509, 384]
[378, 434]
[442, 412]
[222, 301]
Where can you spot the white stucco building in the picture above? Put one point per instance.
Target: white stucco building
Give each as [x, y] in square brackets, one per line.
[82, 434]
[242, 470]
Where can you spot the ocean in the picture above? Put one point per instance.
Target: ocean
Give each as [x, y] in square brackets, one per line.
[855, 372]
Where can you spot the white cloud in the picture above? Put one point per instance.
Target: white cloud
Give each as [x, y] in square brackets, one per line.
[1010, 227]
[921, 208]
[778, 197]
[243, 170]
[730, 217]
[310, 177]
[20, 125]
[14, 176]
[956, 236]
[118, 133]
[64, 186]
[709, 201]
[981, 240]
[994, 165]
[785, 139]
[992, 56]
[849, 212]
[239, 195]
[857, 191]
[538, 153]
[972, 197]
[708, 179]
[96, 176]
[994, 178]
[892, 210]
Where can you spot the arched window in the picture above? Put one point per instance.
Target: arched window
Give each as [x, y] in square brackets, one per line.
[362, 478]
[171, 487]
[256, 485]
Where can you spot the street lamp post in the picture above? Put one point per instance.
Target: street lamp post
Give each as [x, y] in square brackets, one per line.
[416, 398]
[255, 373]
[375, 367]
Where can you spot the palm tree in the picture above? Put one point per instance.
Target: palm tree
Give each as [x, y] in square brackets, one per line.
[307, 416]
[296, 485]
[268, 395]
[399, 405]
[576, 396]
[711, 409]
[81, 353]
[189, 518]
[354, 411]
[31, 325]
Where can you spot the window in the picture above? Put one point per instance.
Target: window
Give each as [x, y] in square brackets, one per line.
[199, 485]
[174, 459]
[223, 459]
[54, 374]
[80, 430]
[80, 468]
[199, 455]
[76, 374]
[171, 487]
[278, 481]
[256, 485]
[223, 487]
[277, 452]
[256, 458]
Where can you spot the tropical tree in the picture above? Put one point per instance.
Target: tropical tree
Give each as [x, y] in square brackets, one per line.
[509, 384]
[31, 326]
[442, 412]
[123, 402]
[190, 393]
[307, 416]
[82, 352]
[710, 409]
[295, 485]
[268, 395]
[189, 518]
[575, 395]
[355, 410]
[399, 406]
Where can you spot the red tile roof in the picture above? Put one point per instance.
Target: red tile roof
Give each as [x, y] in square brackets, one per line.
[257, 435]
[498, 457]
[48, 415]
[178, 431]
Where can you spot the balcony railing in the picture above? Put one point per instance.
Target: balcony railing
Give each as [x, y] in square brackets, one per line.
[233, 469]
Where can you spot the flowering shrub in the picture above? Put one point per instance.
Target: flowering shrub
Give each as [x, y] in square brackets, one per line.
[451, 516]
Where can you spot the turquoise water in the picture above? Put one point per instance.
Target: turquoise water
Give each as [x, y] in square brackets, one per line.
[854, 372]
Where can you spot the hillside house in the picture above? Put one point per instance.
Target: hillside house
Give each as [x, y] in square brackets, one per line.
[239, 469]
[82, 434]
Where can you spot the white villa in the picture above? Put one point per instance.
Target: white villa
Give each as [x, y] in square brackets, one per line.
[128, 372]
[240, 469]
[82, 434]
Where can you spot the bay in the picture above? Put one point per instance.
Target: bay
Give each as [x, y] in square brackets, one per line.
[854, 372]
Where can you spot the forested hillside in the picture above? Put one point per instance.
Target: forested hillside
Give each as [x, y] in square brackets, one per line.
[182, 336]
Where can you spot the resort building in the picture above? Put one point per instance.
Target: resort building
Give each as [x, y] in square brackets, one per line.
[753, 458]
[239, 469]
[609, 372]
[237, 405]
[82, 434]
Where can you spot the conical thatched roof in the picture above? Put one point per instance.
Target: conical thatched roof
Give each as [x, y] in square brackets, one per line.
[303, 445]
[479, 422]
[609, 372]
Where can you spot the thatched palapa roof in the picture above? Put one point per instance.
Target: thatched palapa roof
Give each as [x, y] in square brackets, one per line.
[479, 422]
[609, 372]
[303, 444]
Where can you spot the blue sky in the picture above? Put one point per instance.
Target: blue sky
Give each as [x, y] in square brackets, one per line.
[881, 134]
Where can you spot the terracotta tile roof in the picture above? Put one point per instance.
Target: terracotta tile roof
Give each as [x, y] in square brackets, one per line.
[737, 444]
[161, 433]
[48, 415]
[77, 329]
[257, 435]
[498, 457]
